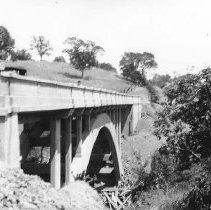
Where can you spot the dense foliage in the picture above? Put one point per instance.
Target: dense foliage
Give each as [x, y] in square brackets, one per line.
[41, 45]
[161, 80]
[20, 55]
[82, 54]
[106, 66]
[134, 66]
[185, 121]
[6, 43]
[59, 59]
[199, 197]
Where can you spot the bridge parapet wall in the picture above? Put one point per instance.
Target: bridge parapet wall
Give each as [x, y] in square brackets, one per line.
[24, 94]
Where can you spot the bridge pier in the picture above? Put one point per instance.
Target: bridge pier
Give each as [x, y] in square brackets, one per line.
[9, 141]
[68, 150]
[119, 127]
[78, 135]
[116, 122]
[87, 118]
[55, 153]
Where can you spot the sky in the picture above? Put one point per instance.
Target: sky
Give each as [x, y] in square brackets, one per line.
[177, 32]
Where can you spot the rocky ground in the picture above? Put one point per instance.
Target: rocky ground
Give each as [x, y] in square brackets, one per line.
[21, 191]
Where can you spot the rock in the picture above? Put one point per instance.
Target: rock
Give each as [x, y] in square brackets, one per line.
[19, 191]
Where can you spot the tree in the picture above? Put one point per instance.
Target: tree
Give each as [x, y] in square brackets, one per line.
[147, 61]
[59, 59]
[82, 54]
[185, 120]
[134, 65]
[20, 55]
[161, 80]
[6, 43]
[41, 45]
[106, 66]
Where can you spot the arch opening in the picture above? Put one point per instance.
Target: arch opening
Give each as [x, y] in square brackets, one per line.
[101, 168]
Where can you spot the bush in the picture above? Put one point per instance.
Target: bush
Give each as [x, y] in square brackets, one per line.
[160, 80]
[199, 196]
[185, 121]
[20, 55]
[59, 59]
[106, 66]
[169, 187]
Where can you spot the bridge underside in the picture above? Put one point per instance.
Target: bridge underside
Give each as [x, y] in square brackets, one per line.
[101, 170]
[61, 148]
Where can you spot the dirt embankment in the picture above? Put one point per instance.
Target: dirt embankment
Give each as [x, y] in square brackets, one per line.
[21, 191]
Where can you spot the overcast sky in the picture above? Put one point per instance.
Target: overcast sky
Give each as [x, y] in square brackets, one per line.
[177, 32]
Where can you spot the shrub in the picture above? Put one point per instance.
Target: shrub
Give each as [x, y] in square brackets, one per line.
[20, 55]
[160, 80]
[199, 196]
[59, 59]
[106, 66]
[185, 120]
[169, 187]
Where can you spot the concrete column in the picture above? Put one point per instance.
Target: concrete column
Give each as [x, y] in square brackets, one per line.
[113, 116]
[4, 139]
[126, 120]
[87, 122]
[135, 117]
[110, 113]
[24, 141]
[120, 126]
[68, 150]
[9, 141]
[140, 110]
[55, 153]
[116, 122]
[78, 135]
[14, 141]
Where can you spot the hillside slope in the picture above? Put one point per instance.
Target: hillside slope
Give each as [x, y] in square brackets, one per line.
[64, 72]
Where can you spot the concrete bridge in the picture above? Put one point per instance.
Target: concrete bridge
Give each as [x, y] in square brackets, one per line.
[62, 131]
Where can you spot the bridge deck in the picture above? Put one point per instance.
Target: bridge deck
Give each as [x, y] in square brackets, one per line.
[25, 94]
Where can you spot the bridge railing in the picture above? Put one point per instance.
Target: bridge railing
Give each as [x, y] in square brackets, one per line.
[23, 94]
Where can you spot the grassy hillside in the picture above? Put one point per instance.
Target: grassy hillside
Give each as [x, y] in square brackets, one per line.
[64, 72]
[94, 77]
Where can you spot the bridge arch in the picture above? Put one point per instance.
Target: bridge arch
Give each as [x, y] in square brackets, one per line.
[101, 123]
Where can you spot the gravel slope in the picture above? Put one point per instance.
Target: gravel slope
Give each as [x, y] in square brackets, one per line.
[21, 191]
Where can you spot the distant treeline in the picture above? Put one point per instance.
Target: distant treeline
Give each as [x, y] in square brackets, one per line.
[106, 66]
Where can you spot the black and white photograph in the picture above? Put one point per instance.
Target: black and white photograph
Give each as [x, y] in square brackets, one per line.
[105, 104]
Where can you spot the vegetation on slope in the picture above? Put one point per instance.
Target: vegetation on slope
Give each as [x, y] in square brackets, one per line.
[180, 169]
[138, 150]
